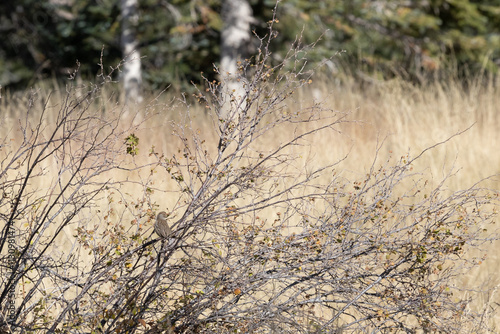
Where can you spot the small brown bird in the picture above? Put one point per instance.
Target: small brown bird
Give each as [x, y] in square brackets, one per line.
[161, 226]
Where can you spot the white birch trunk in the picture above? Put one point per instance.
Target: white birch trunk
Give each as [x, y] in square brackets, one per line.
[132, 79]
[235, 41]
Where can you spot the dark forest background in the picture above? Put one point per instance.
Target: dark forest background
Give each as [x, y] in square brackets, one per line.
[179, 39]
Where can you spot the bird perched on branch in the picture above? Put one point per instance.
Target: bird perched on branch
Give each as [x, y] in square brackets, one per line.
[161, 226]
[163, 230]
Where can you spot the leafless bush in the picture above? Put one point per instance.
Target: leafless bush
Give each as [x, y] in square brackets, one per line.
[264, 242]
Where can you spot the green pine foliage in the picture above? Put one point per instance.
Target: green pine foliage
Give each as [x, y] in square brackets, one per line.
[179, 39]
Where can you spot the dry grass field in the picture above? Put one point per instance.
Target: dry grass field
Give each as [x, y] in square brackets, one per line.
[385, 119]
[410, 119]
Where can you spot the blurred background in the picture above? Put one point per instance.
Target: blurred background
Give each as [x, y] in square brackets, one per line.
[416, 40]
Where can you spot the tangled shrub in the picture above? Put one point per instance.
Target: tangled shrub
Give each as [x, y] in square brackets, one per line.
[261, 243]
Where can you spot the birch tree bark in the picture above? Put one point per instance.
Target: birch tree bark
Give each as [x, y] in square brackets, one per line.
[235, 41]
[132, 79]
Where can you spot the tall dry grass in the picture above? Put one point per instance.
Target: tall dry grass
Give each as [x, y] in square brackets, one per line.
[410, 118]
[389, 118]
[404, 116]
[414, 118]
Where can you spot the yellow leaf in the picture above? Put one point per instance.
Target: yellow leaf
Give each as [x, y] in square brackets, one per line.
[237, 291]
